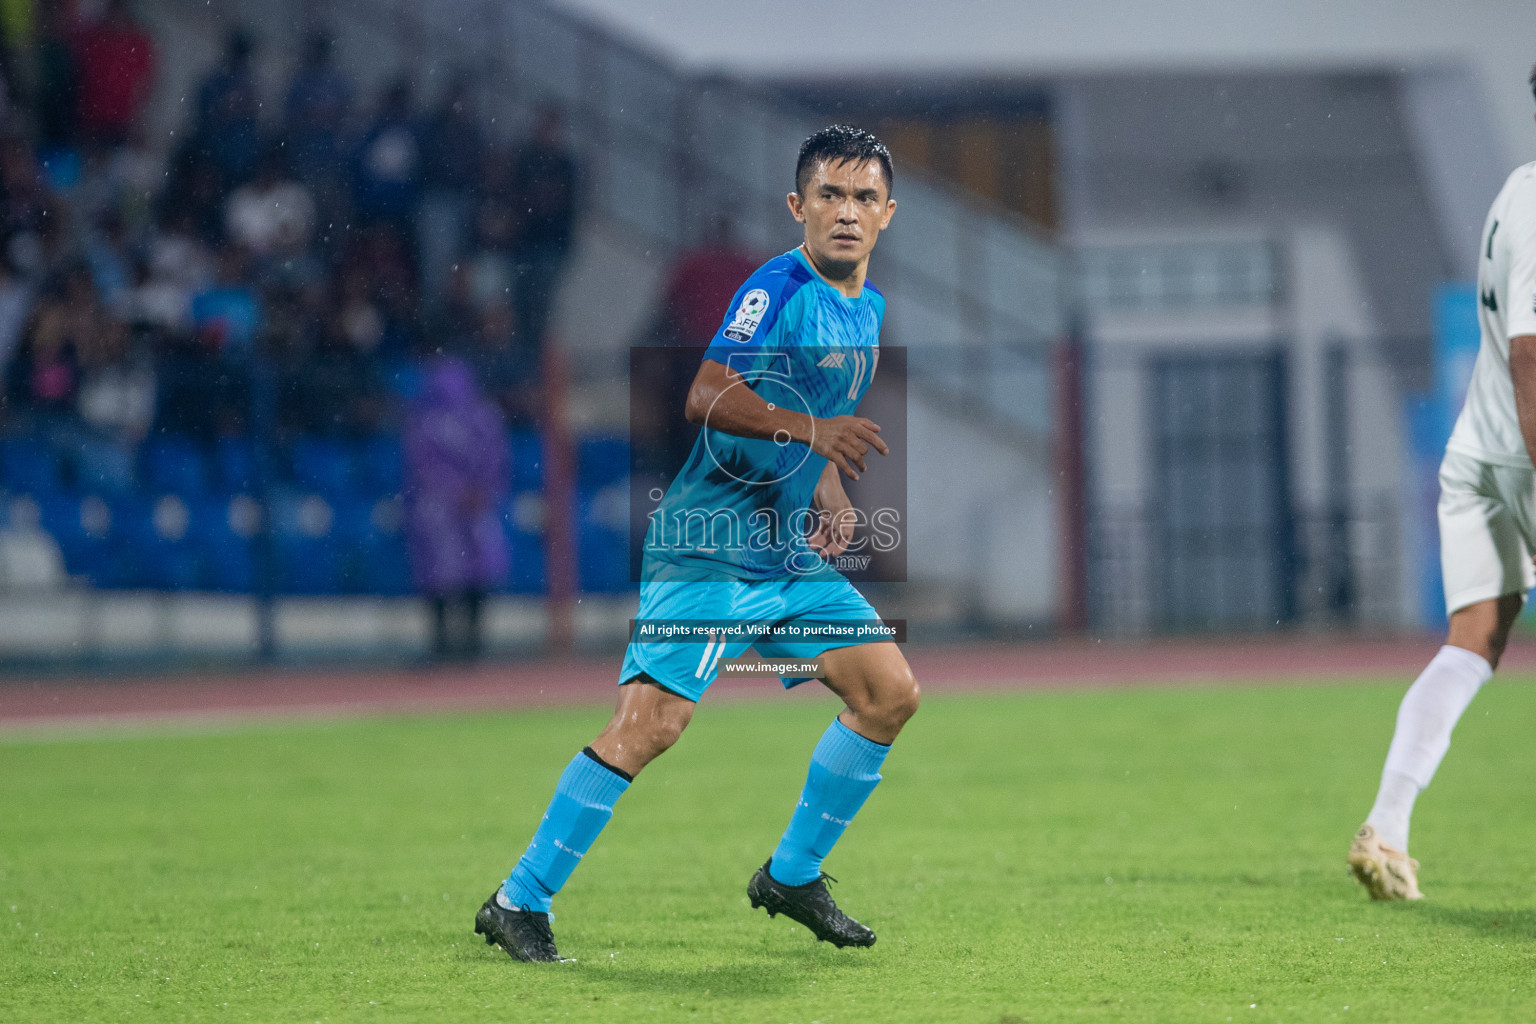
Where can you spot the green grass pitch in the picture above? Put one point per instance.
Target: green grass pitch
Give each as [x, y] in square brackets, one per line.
[1171, 855]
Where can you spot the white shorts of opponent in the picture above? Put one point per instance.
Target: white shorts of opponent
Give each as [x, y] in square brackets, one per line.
[1487, 530]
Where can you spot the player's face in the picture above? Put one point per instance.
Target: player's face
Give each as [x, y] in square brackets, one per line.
[844, 208]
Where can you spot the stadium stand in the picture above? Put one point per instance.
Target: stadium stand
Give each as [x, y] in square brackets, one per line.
[150, 285]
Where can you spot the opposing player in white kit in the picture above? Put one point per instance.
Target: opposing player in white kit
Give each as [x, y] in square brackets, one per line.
[1487, 535]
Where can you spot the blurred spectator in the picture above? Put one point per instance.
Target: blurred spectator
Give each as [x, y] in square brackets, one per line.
[503, 363]
[695, 302]
[701, 285]
[456, 314]
[319, 96]
[451, 147]
[359, 320]
[380, 254]
[195, 189]
[546, 205]
[402, 319]
[117, 391]
[106, 248]
[57, 82]
[45, 253]
[315, 108]
[493, 228]
[25, 202]
[272, 212]
[496, 217]
[155, 302]
[136, 295]
[15, 306]
[116, 63]
[227, 131]
[456, 467]
[18, 28]
[178, 256]
[121, 182]
[337, 389]
[227, 314]
[36, 243]
[387, 173]
[198, 395]
[62, 333]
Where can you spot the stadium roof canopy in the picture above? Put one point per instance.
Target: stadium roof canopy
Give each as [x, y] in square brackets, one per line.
[1497, 38]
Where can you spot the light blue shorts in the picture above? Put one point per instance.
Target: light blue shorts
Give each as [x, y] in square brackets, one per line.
[687, 667]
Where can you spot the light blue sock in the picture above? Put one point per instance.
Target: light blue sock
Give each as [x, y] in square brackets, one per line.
[582, 804]
[844, 771]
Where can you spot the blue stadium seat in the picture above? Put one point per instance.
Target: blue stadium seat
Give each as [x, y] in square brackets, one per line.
[525, 541]
[404, 380]
[226, 556]
[527, 461]
[380, 466]
[86, 530]
[305, 545]
[307, 565]
[59, 516]
[385, 567]
[527, 575]
[322, 465]
[30, 466]
[602, 540]
[229, 565]
[157, 532]
[370, 546]
[601, 460]
[352, 518]
[353, 527]
[235, 458]
[174, 464]
[104, 467]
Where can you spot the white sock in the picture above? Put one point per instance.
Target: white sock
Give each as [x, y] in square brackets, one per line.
[1394, 807]
[1430, 710]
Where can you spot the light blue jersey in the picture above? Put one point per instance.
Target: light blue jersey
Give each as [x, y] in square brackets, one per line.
[740, 508]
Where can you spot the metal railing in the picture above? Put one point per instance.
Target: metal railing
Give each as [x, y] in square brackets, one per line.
[1346, 574]
[1180, 276]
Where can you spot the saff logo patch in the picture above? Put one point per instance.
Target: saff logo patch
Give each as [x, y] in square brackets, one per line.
[748, 315]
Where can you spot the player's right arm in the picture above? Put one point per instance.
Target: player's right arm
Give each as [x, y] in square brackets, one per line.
[721, 400]
[1520, 311]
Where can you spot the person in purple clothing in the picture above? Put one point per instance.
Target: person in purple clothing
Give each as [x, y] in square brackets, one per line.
[456, 466]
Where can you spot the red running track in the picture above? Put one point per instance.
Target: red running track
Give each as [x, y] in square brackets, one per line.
[28, 704]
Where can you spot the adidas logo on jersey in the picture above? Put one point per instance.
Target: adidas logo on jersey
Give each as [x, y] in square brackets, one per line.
[858, 361]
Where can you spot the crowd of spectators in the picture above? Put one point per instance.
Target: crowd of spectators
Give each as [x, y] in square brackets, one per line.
[317, 247]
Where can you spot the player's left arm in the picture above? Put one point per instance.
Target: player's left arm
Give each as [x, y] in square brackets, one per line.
[835, 531]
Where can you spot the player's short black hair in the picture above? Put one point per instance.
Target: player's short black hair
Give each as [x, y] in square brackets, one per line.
[1533, 80]
[837, 143]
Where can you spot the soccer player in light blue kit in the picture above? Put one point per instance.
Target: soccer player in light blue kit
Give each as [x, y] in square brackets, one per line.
[743, 536]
